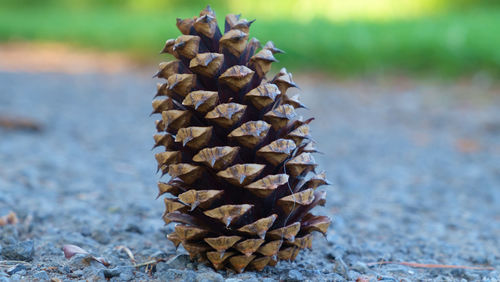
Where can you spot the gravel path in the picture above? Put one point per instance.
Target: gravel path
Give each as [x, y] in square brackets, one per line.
[415, 173]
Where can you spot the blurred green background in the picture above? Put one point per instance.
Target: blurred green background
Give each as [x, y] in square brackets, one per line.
[445, 38]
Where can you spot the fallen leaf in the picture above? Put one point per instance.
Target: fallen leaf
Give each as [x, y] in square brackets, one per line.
[71, 250]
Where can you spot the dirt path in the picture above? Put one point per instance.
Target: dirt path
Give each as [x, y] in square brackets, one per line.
[415, 171]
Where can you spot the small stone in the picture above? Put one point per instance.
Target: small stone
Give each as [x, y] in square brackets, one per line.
[119, 271]
[23, 251]
[176, 275]
[42, 275]
[83, 261]
[16, 268]
[133, 229]
[340, 267]
[294, 276]
[209, 277]
[233, 280]
[360, 267]
[101, 236]
[179, 261]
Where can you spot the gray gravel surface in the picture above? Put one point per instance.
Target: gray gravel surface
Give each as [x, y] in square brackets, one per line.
[415, 173]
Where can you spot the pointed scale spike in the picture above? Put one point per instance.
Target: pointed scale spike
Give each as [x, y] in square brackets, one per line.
[231, 20]
[167, 69]
[289, 253]
[188, 233]
[270, 46]
[259, 263]
[217, 259]
[207, 64]
[236, 77]
[261, 62]
[251, 133]
[317, 180]
[303, 242]
[222, 243]
[160, 125]
[217, 157]
[187, 46]
[252, 47]
[300, 164]
[259, 227]
[181, 83]
[235, 41]
[241, 174]
[174, 238]
[206, 25]
[243, 25]
[169, 48]
[228, 213]
[265, 186]
[249, 246]
[292, 202]
[161, 89]
[201, 101]
[175, 119]
[316, 223]
[172, 205]
[226, 115]
[165, 140]
[240, 262]
[187, 172]
[284, 80]
[207, 11]
[271, 248]
[263, 95]
[277, 151]
[288, 232]
[195, 250]
[185, 25]
[164, 159]
[162, 105]
[201, 198]
[294, 101]
[280, 116]
[168, 188]
[299, 134]
[194, 137]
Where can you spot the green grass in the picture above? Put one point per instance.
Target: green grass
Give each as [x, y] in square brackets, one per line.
[449, 45]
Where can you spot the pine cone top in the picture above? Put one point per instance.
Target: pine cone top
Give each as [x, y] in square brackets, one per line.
[243, 177]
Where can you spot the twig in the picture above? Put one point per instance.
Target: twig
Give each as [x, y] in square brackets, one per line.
[13, 262]
[128, 251]
[147, 263]
[422, 265]
[19, 123]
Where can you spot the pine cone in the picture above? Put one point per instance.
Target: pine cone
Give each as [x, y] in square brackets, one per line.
[238, 156]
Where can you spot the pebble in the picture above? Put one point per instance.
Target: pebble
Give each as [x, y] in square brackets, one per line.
[175, 275]
[209, 276]
[294, 276]
[42, 275]
[123, 272]
[341, 268]
[16, 268]
[101, 236]
[23, 251]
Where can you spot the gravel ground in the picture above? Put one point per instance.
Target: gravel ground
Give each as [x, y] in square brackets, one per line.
[415, 173]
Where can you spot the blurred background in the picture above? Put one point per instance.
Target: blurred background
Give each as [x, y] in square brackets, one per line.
[444, 38]
[405, 93]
